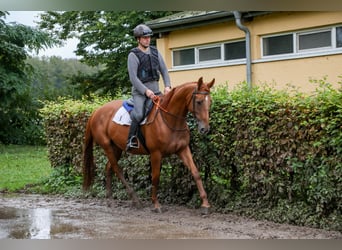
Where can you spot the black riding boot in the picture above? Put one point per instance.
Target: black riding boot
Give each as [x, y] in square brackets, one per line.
[132, 141]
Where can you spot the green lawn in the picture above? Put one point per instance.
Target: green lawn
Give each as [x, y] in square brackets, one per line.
[22, 165]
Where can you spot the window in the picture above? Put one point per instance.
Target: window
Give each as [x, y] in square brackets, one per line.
[235, 50]
[314, 40]
[278, 45]
[302, 42]
[183, 57]
[209, 55]
[339, 37]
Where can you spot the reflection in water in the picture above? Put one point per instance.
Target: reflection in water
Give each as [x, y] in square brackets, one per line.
[41, 223]
[37, 223]
[25, 223]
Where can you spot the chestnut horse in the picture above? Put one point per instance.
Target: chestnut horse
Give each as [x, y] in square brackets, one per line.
[166, 132]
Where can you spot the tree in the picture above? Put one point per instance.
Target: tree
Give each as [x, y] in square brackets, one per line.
[17, 108]
[55, 76]
[105, 37]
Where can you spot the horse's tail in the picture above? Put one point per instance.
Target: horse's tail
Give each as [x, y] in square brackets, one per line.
[88, 158]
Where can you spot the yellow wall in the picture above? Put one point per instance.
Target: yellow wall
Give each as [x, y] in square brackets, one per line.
[297, 72]
[223, 75]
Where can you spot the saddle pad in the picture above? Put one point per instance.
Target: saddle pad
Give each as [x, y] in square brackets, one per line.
[128, 105]
[122, 117]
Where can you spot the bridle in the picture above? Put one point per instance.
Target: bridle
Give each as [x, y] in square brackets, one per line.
[196, 92]
[156, 101]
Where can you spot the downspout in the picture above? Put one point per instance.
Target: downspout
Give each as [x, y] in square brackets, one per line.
[238, 22]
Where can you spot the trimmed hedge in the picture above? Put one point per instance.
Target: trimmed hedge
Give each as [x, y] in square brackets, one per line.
[64, 123]
[270, 155]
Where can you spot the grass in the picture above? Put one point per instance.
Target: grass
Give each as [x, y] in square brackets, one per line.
[22, 166]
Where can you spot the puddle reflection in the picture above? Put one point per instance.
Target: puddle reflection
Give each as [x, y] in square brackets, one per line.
[25, 223]
[40, 223]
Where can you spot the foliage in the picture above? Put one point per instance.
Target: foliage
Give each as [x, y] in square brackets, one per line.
[105, 38]
[63, 180]
[24, 81]
[270, 154]
[19, 121]
[65, 122]
[268, 149]
[54, 77]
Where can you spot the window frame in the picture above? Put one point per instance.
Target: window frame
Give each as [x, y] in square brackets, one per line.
[184, 65]
[298, 53]
[199, 48]
[208, 63]
[277, 35]
[335, 36]
[231, 42]
[298, 34]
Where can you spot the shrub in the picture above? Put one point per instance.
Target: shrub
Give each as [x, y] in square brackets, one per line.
[268, 148]
[64, 122]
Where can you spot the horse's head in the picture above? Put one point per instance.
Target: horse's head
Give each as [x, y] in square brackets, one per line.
[200, 104]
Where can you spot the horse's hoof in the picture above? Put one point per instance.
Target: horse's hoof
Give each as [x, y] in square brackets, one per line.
[205, 210]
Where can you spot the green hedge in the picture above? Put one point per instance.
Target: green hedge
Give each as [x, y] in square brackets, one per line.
[64, 123]
[270, 155]
[276, 156]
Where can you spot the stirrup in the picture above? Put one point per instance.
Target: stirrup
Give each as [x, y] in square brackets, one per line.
[132, 143]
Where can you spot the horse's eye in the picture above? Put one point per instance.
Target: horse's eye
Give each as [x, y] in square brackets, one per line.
[199, 102]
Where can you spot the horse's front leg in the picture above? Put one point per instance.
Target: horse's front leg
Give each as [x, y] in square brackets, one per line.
[155, 159]
[188, 161]
[109, 179]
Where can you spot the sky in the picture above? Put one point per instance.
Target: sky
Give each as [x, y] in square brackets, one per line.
[30, 18]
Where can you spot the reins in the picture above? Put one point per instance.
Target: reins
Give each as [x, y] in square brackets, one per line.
[156, 101]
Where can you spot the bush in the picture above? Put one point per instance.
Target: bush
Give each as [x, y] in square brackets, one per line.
[268, 148]
[64, 122]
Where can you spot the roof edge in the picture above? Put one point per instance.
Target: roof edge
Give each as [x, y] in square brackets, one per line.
[190, 19]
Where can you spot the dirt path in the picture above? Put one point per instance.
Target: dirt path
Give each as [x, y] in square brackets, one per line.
[36, 216]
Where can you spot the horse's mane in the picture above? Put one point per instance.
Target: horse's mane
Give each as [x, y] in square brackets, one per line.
[167, 98]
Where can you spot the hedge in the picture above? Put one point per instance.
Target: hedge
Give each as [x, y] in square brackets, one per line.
[269, 155]
[64, 124]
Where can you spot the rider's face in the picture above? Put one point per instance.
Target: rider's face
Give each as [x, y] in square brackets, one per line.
[145, 41]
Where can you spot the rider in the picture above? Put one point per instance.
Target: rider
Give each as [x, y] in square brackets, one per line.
[145, 64]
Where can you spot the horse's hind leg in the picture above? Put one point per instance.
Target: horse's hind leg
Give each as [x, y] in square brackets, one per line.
[113, 154]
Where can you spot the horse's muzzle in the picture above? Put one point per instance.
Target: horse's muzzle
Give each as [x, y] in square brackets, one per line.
[203, 129]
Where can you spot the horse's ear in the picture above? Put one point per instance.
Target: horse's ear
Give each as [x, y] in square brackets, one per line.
[200, 82]
[210, 84]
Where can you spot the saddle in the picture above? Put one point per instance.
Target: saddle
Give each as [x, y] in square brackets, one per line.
[122, 116]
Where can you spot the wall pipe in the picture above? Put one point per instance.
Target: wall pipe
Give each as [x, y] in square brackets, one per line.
[239, 24]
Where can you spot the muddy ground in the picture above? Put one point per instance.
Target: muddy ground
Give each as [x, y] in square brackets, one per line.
[52, 217]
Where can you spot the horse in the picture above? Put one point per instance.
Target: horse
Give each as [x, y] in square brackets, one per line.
[166, 132]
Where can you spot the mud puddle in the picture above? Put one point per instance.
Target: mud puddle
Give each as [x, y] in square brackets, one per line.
[50, 217]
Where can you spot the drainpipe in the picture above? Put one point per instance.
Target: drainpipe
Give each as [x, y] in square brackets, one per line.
[238, 22]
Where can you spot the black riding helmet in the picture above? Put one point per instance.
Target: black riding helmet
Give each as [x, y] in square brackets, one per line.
[142, 30]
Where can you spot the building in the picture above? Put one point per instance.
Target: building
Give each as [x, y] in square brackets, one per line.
[283, 48]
